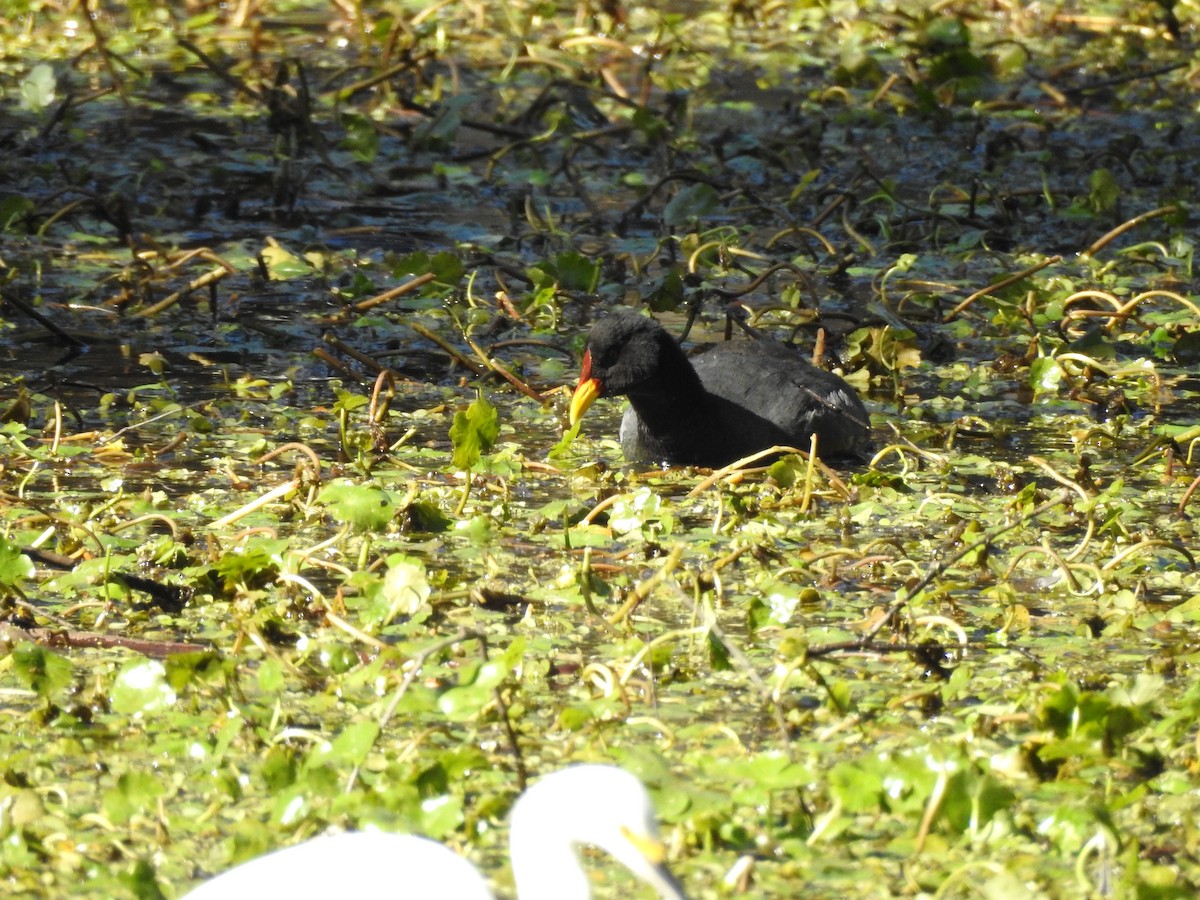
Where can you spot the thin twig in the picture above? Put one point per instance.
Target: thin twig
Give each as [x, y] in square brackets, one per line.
[41, 320]
[1126, 226]
[1187, 495]
[413, 668]
[258, 503]
[739, 467]
[945, 563]
[504, 373]
[232, 80]
[52, 637]
[509, 731]
[1002, 283]
[106, 56]
[457, 355]
[398, 291]
[645, 588]
[206, 280]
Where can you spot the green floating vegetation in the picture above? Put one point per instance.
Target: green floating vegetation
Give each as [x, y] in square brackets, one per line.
[293, 538]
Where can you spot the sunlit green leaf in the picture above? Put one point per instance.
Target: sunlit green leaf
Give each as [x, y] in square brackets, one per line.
[134, 792]
[255, 561]
[718, 654]
[469, 698]
[364, 506]
[1104, 193]
[474, 432]
[40, 670]
[15, 566]
[141, 689]
[1045, 375]
[351, 745]
[283, 265]
[642, 511]
[405, 587]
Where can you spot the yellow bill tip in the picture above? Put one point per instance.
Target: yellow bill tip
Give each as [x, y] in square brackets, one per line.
[651, 848]
[585, 395]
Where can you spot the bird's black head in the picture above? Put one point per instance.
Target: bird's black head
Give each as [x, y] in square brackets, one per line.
[626, 350]
[629, 354]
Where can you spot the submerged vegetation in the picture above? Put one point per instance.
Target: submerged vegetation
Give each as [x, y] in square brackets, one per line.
[291, 302]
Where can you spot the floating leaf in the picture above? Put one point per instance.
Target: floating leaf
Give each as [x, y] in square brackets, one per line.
[363, 506]
[718, 653]
[474, 432]
[466, 701]
[350, 747]
[573, 271]
[445, 266]
[1045, 375]
[13, 208]
[37, 88]
[947, 31]
[142, 881]
[155, 362]
[444, 124]
[405, 587]
[15, 566]
[256, 561]
[665, 293]
[133, 793]
[972, 800]
[361, 137]
[1104, 193]
[691, 203]
[858, 786]
[184, 668]
[640, 511]
[282, 265]
[141, 688]
[1187, 349]
[39, 669]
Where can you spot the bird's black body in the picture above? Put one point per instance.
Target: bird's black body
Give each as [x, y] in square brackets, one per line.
[734, 400]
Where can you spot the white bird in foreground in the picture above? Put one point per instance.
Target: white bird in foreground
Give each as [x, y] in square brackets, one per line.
[587, 804]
